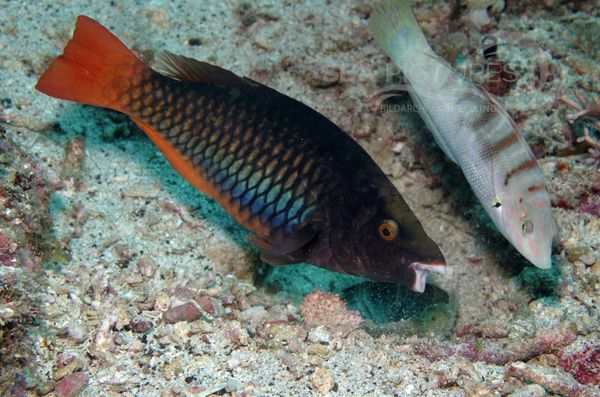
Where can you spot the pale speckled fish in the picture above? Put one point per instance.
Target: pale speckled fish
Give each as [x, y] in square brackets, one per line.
[473, 130]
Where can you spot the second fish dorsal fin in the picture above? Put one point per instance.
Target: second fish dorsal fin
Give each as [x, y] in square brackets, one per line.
[189, 69]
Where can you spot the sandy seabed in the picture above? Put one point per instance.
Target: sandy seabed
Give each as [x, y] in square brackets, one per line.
[117, 277]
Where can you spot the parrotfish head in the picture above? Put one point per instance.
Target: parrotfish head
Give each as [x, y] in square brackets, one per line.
[377, 236]
[525, 219]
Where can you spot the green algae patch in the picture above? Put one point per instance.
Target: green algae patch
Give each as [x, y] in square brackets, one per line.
[540, 283]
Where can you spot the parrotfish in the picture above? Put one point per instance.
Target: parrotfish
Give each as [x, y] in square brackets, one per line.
[474, 131]
[305, 190]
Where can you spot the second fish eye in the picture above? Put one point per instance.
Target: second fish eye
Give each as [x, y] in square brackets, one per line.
[526, 227]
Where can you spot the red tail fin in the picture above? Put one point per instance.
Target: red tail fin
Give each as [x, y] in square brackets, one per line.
[94, 69]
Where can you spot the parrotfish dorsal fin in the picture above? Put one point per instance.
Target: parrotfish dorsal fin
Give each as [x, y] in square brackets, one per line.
[189, 69]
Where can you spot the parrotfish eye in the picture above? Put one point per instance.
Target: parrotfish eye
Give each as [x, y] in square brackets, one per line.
[526, 227]
[388, 230]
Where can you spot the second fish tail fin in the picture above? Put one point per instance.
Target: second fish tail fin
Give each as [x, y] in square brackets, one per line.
[96, 68]
[395, 28]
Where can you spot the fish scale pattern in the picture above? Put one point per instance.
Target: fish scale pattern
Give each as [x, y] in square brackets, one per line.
[252, 155]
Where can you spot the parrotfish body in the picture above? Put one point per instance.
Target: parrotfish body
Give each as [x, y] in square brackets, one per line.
[306, 190]
[473, 129]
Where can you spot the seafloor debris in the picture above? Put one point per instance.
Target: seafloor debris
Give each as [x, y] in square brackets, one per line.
[73, 161]
[25, 235]
[71, 385]
[493, 350]
[585, 110]
[185, 312]
[182, 212]
[86, 326]
[328, 310]
[554, 381]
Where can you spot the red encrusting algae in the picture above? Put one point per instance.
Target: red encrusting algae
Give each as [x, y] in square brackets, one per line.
[584, 366]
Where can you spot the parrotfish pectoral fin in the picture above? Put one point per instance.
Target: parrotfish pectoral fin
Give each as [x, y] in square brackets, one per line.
[268, 252]
[281, 250]
[421, 270]
[277, 260]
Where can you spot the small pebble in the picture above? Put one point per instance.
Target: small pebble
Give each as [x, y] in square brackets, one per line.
[595, 269]
[529, 391]
[319, 335]
[140, 325]
[146, 266]
[322, 380]
[262, 42]
[319, 350]
[77, 331]
[162, 302]
[71, 385]
[46, 387]
[187, 312]
[255, 315]
[206, 304]
[6, 103]
[233, 363]
[398, 147]
[247, 14]
[72, 366]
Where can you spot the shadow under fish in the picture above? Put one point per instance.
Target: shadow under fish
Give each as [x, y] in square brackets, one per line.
[386, 303]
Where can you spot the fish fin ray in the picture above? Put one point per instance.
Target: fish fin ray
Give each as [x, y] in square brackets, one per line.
[192, 70]
[395, 28]
[287, 246]
[94, 64]
[277, 260]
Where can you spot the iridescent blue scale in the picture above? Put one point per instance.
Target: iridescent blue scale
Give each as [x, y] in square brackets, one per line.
[295, 208]
[267, 212]
[238, 190]
[306, 213]
[228, 183]
[220, 176]
[273, 193]
[283, 201]
[227, 161]
[278, 220]
[257, 205]
[247, 197]
[254, 179]
[245, 172]
[264, 185]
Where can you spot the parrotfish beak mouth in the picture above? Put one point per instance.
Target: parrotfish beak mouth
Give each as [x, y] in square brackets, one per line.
[421, 269]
